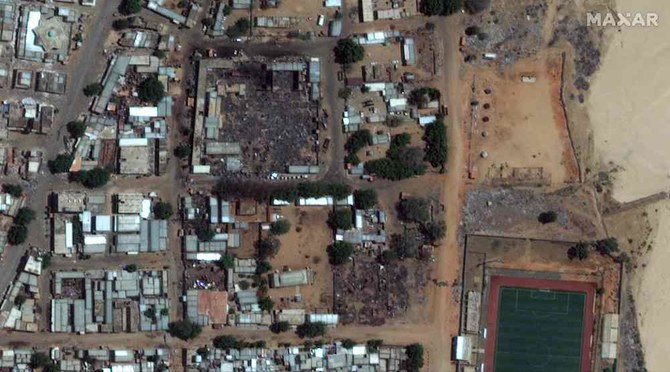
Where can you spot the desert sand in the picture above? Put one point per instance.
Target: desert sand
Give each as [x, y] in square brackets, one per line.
[650, 290]
[628, 104]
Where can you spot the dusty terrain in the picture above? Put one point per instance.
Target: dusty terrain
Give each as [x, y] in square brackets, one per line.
[627, 104]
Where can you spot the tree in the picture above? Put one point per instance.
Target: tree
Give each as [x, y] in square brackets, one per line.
[226, 10]
[311, 330]
[24, 216]
[472, 30]
[365, 198]
[38, 360]
[204, 231]
[280, 327]
[348, 343]
[165, 312]
[348, 51]
[118, 24]
[227, 261]
[340, 219]
[441, 7]
[151, 89]
[358, 140]
[131, 268]
[607, 246]
[184, 329]
[208, 22]
[12, 189]
[414, 210]
[434, 231]
[202, 351]
[163, 210]
[435, 136]
[344, 93]
[159, 54]
[547, 217]
[365, 88]
[414, 357]
[76, 129]
[579, 251]
[19, 299]
[94, 89]
[374, 344]
[406, 244]
[61, 164]
[388, 256]
[266, 304]
[96, 177]
[430, 26]
[51, 367]
[225, 342]
[150, 313]
[129, 7]
[339, 253]
[17, 234]
[263, 267]
[267, 247]
[280, 227]
[240, 28]
[182, 151]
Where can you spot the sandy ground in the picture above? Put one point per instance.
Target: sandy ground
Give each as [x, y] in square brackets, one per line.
[526, 127]
[628, 104]
[649, 285]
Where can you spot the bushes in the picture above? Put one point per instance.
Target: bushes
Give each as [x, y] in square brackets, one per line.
[547, 217]
[39, 360]
[12, 189]
[204, 232]
[434, 231]
[76, 129]
[240, 28]
[406, 244]
[25, 216]
[163, 210]
[17, 234]
[227, 342]
[182, 151]
[365, 198]
[61, 164]
[421, 96]
[435, 136]
[227, 261]
[441, 7]
[280, 227]
[267, 248]
[414, 210]
[348, 51]
[344, 93]
[312, 330]
[96, 88]
[340, 219]
[339, 253]
[414, 357]
[266, 304]
[401, 161]
[118, 24]
[184, 329]
[579, 251]
[129, 7]
[280, 327]
[151, 89]
[358, 140]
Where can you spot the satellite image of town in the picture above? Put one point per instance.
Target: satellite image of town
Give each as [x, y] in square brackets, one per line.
[334, 185]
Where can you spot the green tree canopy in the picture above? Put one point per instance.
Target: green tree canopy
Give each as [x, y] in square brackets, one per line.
[204, 231]
[434, 231]
[435, 136]
[267, 247]
[225, 342]
[227, 261]
[76, 129]
[348, 51]
[547, 217]
[312, 330]
[163, 210]
[406, 244]
[414, 357]
[17, 234]
[340, 219]
[280, 227]
[339, 253]
[184, 329]
[129, 7]
[182, 151]
[61, 164]
[24, 216]
[266, 304]
[365, 198]
[12, 189]
[95, 89]
[414, 210]
[151, 89]
[96, 177]
[280, 327]
[39, 360]
[239, 28]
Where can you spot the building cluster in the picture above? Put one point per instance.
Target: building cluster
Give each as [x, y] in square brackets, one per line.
[333, 357]
[82, 224]
[102, 359]
[18, 308]
[112, 301]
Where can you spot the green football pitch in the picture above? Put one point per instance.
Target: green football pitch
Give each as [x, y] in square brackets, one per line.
[539, 330]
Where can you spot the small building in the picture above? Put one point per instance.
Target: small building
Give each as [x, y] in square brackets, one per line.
[291, 278]
[207, 307]
[409, 52]
[335, 28]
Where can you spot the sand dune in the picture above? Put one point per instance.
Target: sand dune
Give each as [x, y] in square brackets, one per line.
[629, 104]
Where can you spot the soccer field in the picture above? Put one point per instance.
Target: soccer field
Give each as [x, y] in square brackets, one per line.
[539, 330]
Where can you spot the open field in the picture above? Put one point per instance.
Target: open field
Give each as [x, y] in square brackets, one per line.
[518, 130]
[627, 104]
